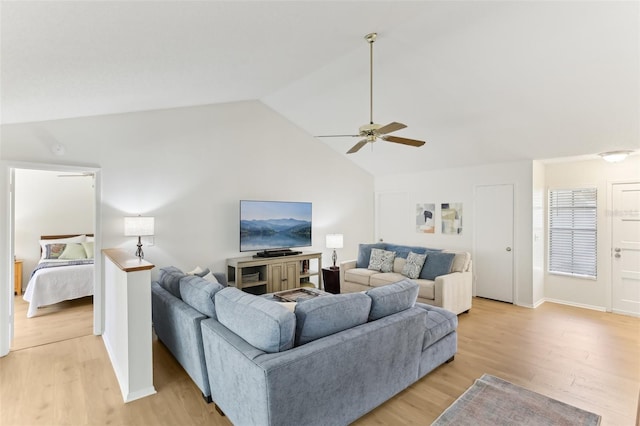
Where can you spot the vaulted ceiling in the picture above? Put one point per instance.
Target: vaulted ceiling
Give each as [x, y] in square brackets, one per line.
[480, 81]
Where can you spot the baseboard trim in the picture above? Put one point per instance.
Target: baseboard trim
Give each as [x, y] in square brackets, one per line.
[629, 314]
[539, 303]
[576, 305]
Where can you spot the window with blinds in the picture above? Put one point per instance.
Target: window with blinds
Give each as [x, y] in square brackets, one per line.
[573, 232]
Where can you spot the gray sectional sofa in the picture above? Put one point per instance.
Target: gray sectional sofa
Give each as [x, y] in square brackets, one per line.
[444, 279]
[179, 303]
[333, 359]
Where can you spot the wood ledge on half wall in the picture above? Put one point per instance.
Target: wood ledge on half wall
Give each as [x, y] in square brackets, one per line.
[127, 262]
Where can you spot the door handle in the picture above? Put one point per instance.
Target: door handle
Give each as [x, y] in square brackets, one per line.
[617, 255]
[508, 248]
[617, 249]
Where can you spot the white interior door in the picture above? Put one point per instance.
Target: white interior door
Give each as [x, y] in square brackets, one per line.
[625, 263]
[389, 228]
[493, 254]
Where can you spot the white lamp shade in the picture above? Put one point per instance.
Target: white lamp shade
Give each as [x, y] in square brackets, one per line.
[334, 241]
[139, 226]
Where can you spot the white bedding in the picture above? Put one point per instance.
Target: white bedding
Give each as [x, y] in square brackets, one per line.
[52, 285]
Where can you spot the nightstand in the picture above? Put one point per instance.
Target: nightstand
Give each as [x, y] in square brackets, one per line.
[331, 278]
[17, 279]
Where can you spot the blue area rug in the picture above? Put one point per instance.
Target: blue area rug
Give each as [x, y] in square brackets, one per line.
[494, 402]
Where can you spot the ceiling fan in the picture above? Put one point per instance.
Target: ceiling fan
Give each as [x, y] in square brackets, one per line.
[372, 131]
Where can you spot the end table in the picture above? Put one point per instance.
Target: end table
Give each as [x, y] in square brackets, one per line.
[331, 279]
[17, 279]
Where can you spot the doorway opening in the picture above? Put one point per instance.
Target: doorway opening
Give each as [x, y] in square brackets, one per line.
[54, 201]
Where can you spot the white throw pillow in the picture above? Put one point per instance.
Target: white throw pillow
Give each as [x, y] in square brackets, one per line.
[415, 262]
[381, 260]
[197, 270]
[211, 278]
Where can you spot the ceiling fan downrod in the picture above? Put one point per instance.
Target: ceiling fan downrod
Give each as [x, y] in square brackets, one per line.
[371, 38]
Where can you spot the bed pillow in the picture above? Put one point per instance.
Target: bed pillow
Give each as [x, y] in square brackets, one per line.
[88, 249]
[73, 251]
[76, 239]
[53, 251]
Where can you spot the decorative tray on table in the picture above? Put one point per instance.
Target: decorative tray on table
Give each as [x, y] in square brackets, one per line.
[296, 295]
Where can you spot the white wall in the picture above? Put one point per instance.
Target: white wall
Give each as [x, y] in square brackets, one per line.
[46, 204]
[598, 174]
[189, 167]
[458, 185]
[538, 230]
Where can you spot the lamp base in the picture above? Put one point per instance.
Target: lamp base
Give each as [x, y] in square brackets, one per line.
[334, 257]
[139, 252]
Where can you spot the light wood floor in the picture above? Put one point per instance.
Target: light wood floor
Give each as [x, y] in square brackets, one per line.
[53, 323]
[585, 358]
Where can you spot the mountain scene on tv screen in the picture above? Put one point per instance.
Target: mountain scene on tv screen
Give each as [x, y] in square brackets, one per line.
[274, 233]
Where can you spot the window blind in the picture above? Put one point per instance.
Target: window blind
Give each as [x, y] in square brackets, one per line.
[573, 232]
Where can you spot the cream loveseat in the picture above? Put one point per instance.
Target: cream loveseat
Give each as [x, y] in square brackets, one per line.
[445, 279]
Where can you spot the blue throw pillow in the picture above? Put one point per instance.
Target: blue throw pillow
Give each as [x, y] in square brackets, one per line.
[170, 279]
[326, 315]
[264, 324]
[392, 298]
[403, 251]
[199, 294]
[437, 264]
[364, 253]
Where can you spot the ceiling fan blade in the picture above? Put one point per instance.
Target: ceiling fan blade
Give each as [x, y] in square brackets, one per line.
[391, 127]
[357, 146]
[338, 136]
[404, 141]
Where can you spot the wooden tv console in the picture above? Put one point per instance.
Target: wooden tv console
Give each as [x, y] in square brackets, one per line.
[260, 275]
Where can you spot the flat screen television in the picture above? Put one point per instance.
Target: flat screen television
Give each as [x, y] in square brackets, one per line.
[274, 225]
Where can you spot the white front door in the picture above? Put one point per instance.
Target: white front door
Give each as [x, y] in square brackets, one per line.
[625, 261]
[493, 254]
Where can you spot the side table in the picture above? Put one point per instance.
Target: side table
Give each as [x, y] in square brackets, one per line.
[331, 278]
[17, 278]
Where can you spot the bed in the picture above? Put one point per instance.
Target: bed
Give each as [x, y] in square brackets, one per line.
[64, 271]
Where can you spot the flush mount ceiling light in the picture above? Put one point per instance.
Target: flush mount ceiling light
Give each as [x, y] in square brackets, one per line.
[615, 156]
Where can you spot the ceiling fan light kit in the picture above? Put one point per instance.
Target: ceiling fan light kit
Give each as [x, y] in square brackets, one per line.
[373, 131]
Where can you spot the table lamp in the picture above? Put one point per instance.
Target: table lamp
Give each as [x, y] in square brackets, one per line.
[334, 241]
[139, 226]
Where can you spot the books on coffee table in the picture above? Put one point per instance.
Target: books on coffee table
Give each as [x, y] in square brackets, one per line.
[298, 294]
